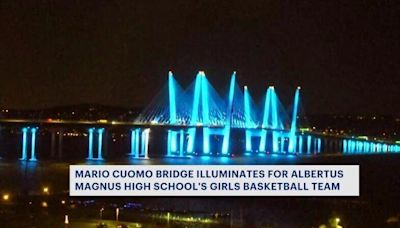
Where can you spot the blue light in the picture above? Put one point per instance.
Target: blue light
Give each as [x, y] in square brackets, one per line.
[137, 137]
[275, 121]
[300, 144]
[204, 99]
[319, 145]
[248, 140]
[182, 134]
[275, 142]
[172, 98]
[195, 113]
[90, 148]
[196, 100]
[206, 140]
[248, 120]
[173, 140]
[205, 157]
[292, 137]
[263, 140]
[33, 145]
[24, 143]
[133, 134]
[191, 135]
[267, 108]
[100, 144]
[225, 143]
[309, 138]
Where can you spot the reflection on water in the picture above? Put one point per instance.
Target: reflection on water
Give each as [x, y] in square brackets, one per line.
[30, 176]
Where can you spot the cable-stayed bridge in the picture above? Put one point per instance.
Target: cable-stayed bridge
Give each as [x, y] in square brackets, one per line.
[199, 121]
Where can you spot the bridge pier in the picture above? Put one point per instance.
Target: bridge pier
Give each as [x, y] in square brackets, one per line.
[176, 137]
[25, 142]
[140, 143]
[60, 144]
[56, 143]
[300, 144]
[92, 132]
[52, 143]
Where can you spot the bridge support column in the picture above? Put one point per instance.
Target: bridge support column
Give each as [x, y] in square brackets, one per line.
[282, 142]
[33, 145]
[319, 143]
[182, 135]
[176, 143]
[252, 133]
[60, 144]
[92, 132]
[100, 144]
[191, 138]
[140, 143]
[25, 142]
[309, 138]
[53, 143]
[90, 146]
[275, 142]
[300, 145]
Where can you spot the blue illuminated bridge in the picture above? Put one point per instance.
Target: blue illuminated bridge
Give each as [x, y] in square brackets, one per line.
[199, 121]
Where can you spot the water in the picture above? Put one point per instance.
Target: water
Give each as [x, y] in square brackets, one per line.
[380, 189]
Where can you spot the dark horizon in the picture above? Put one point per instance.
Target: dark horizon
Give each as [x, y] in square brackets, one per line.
[118, 53]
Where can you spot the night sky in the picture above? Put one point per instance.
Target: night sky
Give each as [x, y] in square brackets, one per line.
[345, 55]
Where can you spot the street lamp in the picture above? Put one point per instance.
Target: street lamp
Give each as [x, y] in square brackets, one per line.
[116, 214]
[101, 213]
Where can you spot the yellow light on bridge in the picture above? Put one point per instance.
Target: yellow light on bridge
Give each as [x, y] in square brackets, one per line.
[45, 190]
[102, 121]
[305, 129]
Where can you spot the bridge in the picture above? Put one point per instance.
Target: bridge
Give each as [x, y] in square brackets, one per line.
[198, 121]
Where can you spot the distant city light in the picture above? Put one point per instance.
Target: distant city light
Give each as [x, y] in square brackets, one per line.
[6, 197]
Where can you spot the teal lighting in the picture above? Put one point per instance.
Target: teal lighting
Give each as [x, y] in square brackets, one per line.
[225, 142]
[300, 144]
[195, 113]
[33, 144]
[172, 135]
[309, 138]
[292, 137]
[319, 145]
[275, 142]
[90, 148]
[24, 143]
[247, 111]
[172, 98]
[133, 146]
[248, 120]
[137, 137]
[267, 107]
[205, 112]
[181, 141]
[263, 140]
[100, 143]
